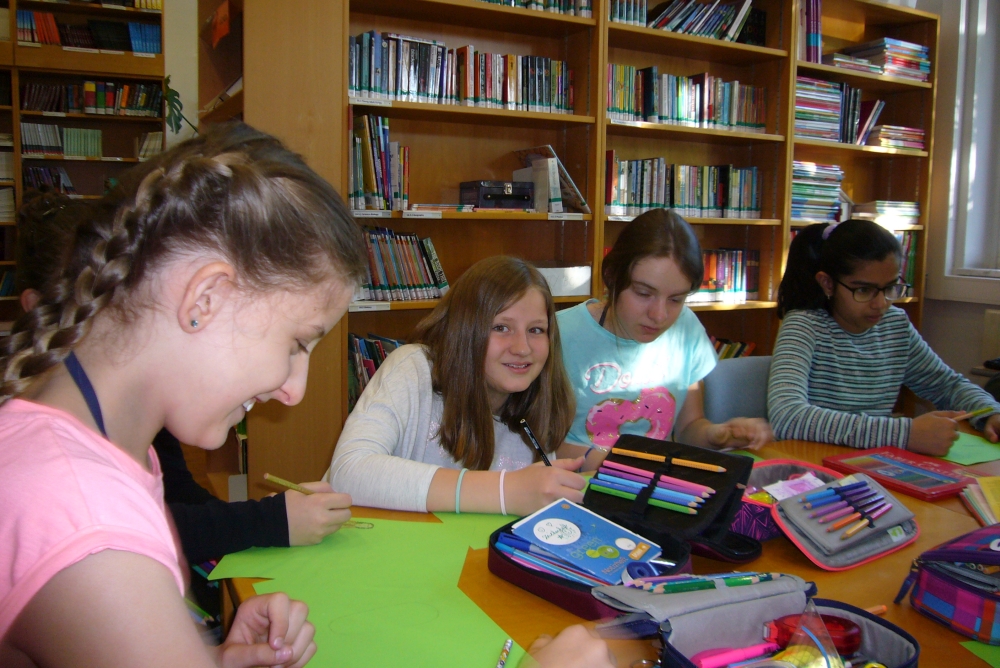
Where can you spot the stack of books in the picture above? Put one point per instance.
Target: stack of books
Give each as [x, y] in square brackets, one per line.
[702, 18]
[896, 136]
[401, 267]
[815, 192]
[388, 66]
[379, 169]
[731, 277]
[629, 12]
[908, 240]
[104, 98]
[42, 139]
[364, 357]
[149, 145]
[888, 213]
[7, 205]
[78, 142]
[846, 62]
[810, 24]
[818, 106]
[582, 8]
[896, 57]
[982, 498]
[708, 191]
[54, 178]
[702, 100]
[727, 349]
[41, 28]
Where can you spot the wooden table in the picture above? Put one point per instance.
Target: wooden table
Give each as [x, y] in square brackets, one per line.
[524, 616]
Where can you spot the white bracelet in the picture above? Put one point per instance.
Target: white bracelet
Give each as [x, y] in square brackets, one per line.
[503, 506]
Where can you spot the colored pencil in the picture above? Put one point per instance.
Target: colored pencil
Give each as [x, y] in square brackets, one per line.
[677, 461]
[844, 521]
[505, 652]
[648, 474]
[349, 524]
[832, 490]
[680, 497]
[597, 487]
[866, 521]
[661, 483]
[974, 414]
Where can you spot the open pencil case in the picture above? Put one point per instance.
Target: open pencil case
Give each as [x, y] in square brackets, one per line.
[958, 584]
[691, 622]
[839, 549]
[754, 517]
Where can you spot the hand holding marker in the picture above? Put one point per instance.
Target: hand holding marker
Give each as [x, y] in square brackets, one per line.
[349, 524]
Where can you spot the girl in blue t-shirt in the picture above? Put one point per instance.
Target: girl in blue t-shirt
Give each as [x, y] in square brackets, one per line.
[636, 359]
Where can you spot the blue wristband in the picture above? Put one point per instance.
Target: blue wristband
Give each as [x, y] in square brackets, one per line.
[458, 492]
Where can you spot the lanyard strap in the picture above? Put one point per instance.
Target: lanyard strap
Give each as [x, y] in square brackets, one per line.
[79, 377]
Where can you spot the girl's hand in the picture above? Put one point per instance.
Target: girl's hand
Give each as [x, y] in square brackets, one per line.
[934, 433]
[314, 516]
[991, 430]
[269, 630]
[749, 433]
[575, 647]
[535, 486]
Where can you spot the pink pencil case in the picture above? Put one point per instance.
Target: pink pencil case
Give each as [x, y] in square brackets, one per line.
[754, 517]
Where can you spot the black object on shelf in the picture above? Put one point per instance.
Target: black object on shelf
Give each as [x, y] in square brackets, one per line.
[497, 194]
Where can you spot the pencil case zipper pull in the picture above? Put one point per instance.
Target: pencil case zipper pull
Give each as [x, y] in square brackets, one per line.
[908, 582]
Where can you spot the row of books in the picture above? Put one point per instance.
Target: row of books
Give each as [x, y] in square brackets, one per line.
[6, 205]
[843, 61]
[149, 145]
[896, 58]
[707, 191]
[7, 283]
[732, 276]
[6, 166]
[44, 139]
[816, 191]
[888, 213]
[379, 170]
[703, 18]
[135, 4]
[388, 66]
[896, 136]
[104, 98]
[810, 24]
[401, 267]
[55, 178]
[364, 356]
[830, 111]
[982, 498]
[907, 270]
[727, 349]
[41, 28]
[701, 100]
[581, 8]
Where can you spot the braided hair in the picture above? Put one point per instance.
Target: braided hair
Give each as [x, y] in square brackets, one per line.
[233, 191]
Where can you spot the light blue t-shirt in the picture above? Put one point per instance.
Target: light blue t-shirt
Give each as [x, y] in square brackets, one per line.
[623, 386]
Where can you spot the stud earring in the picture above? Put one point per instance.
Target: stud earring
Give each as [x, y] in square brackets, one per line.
[194, 323]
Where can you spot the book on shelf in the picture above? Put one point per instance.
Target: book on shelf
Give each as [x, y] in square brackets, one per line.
[230, 91]
[581, 8]
[701, 18]
[731, 276]
[389, 66]
[896, 136]
[7, 165]
[844, 61]
[810, 31]
[364, 356]
[7, 204]
[908, 241]
[136, 4]
[38, 139]
[816, 191]
[888, 213]
[629, 12]
[54, 178]
[544, 174]
[701, 101]
[727, 349]
[401, 267]
[41, 28]
[103, 98]
[7, 283]
[895, 57]
[633, 187]
[379, 169]
[754, 31]
[428, 206]
[572, 199]
[149, 144]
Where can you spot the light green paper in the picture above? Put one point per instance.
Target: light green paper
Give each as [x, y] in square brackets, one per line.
[988, 653]
[972, 449]
[747, 453]
[386, 595]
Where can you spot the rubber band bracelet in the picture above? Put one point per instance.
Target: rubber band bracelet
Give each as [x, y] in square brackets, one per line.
[458, 492]
[503, 506]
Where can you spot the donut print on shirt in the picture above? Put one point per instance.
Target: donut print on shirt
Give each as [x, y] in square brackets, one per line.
[655, 404]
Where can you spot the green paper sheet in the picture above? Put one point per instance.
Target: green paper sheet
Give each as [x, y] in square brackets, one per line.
[747, 453]
[988, 653]
[386, 595]
[972, 449]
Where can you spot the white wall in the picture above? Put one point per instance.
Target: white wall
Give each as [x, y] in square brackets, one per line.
[180, 19]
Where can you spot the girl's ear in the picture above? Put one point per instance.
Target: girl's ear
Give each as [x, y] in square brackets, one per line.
[205, 294]
[826, 282]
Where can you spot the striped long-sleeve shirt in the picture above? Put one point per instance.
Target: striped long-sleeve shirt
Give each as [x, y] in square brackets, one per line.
[835, 387]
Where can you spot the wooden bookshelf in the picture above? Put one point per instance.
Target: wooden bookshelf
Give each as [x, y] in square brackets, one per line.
[296, 67]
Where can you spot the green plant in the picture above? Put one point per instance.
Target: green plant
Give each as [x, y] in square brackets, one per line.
[175, 109]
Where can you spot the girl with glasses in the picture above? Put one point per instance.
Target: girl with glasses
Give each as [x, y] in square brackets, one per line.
[843, 351]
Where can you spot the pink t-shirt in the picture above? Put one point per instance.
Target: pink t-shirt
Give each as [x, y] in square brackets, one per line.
[66, 492]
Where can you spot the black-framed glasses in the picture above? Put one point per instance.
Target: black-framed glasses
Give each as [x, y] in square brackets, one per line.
[867, 293]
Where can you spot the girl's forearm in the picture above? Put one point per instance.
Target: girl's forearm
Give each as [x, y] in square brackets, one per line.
[480, 491]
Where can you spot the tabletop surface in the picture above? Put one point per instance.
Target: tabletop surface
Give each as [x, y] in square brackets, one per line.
[524, 616]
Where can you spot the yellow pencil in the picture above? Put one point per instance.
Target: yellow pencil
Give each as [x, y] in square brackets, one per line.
[350, 524]
[714, 468]
[974, 414]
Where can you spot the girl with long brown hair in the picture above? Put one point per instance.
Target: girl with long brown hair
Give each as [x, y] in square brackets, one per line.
[438, 427]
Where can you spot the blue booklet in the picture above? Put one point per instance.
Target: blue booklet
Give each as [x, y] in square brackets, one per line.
[585, 540]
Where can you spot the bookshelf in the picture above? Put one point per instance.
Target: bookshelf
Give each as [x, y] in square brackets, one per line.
[26, 66]
[296, 68]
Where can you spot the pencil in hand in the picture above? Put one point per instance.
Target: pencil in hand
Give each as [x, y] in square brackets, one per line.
[350, 524]
[974, 414]
[534, 441]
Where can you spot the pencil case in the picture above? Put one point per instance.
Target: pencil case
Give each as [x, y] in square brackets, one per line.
[707, 533]
[690, 622]
[754, 517]
[957, 583]
[834, 551]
